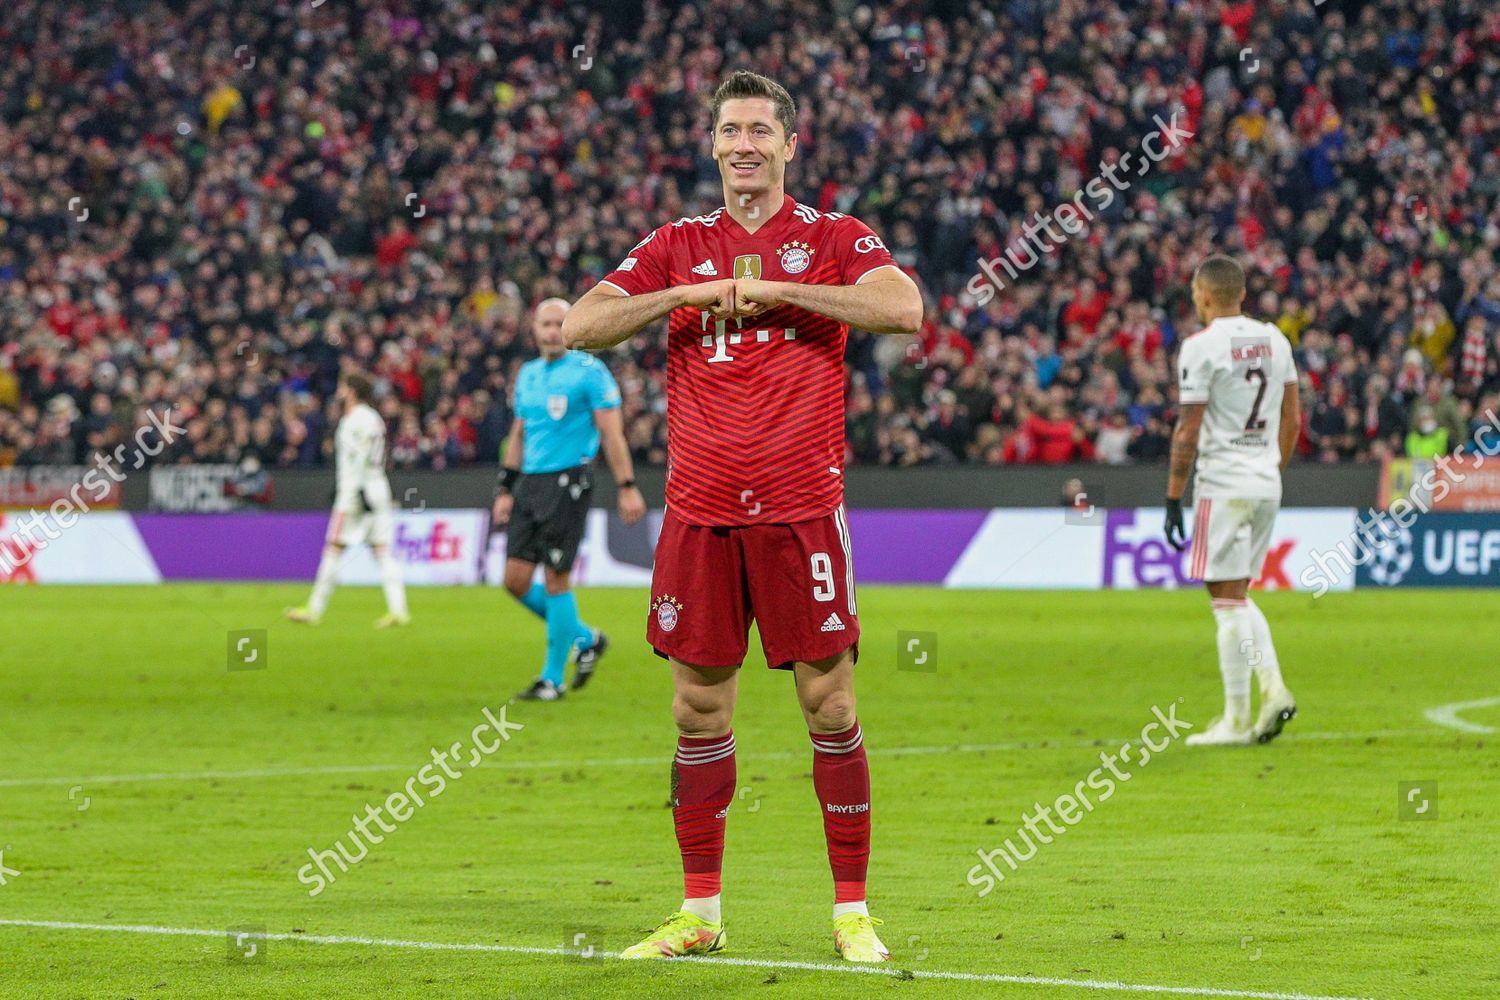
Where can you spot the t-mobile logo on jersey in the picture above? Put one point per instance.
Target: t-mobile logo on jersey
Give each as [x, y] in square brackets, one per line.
[722, 338]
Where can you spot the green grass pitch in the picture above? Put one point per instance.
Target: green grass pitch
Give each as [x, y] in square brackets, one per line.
[146, 785]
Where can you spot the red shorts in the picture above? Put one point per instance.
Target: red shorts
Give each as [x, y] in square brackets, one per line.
[795, 581]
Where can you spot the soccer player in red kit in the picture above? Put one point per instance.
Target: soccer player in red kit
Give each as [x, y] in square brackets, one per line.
[759, 295]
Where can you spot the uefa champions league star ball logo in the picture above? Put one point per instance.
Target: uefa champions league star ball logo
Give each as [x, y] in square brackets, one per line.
[795, 257]
[667, 609]
[1392, 552]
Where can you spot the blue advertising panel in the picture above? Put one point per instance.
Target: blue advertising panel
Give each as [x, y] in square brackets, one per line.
[1437, 550]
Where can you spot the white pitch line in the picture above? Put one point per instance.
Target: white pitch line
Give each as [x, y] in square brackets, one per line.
[1447, 715]
[750, 963]
[659, 760]
[264, 772]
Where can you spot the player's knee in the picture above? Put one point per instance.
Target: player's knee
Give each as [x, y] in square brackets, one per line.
[517, 585]
[830, 713]
[702, 712]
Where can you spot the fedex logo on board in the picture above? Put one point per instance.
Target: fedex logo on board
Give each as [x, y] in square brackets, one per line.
[437, 544]
[1139, 556]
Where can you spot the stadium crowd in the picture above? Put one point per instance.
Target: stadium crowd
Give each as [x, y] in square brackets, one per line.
[216, 205]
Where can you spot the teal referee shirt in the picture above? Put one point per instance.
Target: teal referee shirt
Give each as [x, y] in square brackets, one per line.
[556, 401]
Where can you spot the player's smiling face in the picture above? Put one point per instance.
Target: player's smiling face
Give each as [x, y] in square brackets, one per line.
[751, 146]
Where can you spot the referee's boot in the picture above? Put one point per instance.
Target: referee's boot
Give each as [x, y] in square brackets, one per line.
[588, 658]
[541, 690]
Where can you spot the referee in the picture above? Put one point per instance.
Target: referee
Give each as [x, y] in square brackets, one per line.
[566, 405]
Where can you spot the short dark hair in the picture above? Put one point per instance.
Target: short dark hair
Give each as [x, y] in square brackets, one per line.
[1222, 277]
[361, 385]
[743, 84]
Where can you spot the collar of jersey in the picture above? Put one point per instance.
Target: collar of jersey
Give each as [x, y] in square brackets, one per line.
[787, 201]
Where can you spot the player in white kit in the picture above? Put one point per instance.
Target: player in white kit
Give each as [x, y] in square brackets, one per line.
[362, 505]
[1239, 417]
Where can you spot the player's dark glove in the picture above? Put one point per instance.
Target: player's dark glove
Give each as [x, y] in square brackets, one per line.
[1176, 535]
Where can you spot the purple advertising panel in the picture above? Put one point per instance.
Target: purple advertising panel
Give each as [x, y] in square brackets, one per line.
[1032, 548]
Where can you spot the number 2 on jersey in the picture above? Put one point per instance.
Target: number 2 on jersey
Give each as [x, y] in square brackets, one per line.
[1256, 421]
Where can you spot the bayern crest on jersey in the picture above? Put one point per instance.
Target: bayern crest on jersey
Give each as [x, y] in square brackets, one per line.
[667, 611]
[795, 257]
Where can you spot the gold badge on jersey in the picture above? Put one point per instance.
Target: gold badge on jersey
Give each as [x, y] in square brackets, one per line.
[747, 266]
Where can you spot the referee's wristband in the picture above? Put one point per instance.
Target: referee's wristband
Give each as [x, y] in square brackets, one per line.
[626, 484]
[506, 481]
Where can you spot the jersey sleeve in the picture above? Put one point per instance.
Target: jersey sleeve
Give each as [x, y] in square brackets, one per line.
[858, 251]
[1195, 371]
[603, 391]
[646, 267]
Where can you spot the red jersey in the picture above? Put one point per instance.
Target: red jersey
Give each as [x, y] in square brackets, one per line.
[755, 407]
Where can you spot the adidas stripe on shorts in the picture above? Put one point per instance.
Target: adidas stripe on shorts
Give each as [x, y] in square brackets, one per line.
[1230, 538]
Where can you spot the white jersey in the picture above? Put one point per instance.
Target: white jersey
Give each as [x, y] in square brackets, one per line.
[359, 445]
[1240, 368]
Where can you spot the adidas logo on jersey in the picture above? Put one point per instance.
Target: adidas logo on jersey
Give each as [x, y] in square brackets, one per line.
[706, 268]
[833, 624]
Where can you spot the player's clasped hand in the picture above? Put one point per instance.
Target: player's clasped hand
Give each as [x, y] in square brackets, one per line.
[729, 297]
[715, 296]
[1176, 535]
[753, 296]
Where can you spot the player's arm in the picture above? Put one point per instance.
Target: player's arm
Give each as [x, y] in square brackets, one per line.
[606, 316]
[510, 471]
[884, 300]
[1184, 453]
[1184, 449]
[611, 426]
[1291, 422]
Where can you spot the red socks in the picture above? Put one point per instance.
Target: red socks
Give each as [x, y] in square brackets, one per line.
[841, 779]
[703, 775]
[702, 788]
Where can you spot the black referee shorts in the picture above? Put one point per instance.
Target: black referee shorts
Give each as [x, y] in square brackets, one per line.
[547, 521]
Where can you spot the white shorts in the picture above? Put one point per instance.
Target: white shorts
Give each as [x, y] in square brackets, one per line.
[1230, 538]
[371, 527]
